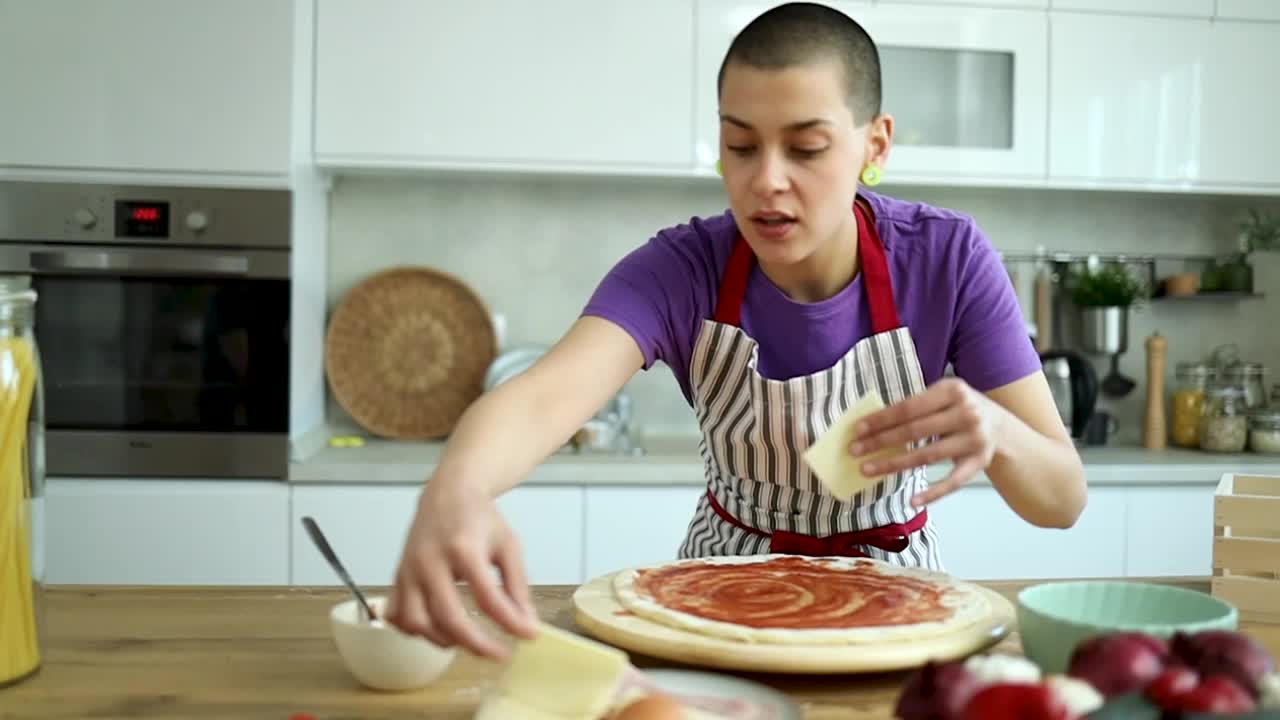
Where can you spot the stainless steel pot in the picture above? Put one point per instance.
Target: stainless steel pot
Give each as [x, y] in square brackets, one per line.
[1104, 330]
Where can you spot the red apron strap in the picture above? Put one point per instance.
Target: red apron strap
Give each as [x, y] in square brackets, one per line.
[875, 276]
[733, 286]
[894, 537]
[875, 272]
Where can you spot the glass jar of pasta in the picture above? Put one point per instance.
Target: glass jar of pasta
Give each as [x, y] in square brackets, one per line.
[21, 483]
[1192, 378]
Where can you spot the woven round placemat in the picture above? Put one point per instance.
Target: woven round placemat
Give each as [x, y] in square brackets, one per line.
[406, 352]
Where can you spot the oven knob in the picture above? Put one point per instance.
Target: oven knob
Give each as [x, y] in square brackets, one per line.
[85, 218]
[197, 220]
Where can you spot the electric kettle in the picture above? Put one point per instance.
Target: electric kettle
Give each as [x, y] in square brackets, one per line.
[1074, 385]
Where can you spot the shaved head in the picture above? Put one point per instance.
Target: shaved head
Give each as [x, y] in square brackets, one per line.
[802, 33]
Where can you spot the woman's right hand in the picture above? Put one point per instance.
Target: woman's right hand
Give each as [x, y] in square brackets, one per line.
[459, 535]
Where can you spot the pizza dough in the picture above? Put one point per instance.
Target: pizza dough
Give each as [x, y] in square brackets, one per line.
[794, 600]
[829, 457]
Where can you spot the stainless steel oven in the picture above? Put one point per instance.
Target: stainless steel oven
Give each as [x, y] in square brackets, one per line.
[163, 323]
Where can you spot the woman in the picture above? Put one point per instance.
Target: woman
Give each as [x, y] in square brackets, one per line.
[774, 317]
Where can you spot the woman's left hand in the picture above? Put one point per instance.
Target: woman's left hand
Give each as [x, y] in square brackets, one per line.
[964, 422]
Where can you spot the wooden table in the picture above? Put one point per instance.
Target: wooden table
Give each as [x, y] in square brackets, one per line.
[267, 653]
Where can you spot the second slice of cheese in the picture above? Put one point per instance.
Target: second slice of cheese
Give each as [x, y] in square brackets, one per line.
[562, 675]
[830, 459]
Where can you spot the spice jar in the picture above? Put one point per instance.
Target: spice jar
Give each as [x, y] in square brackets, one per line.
[1188, 397]
[1248, 376]
[1264, 432]
[1224, 426]
[21, 483]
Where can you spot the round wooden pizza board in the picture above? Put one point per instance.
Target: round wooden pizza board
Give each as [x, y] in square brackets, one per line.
[600, 614]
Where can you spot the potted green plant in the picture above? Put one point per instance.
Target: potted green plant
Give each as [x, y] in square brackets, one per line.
[1258, 232]
[1104, 296]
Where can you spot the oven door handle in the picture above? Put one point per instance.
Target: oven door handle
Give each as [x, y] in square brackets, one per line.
[135, 262]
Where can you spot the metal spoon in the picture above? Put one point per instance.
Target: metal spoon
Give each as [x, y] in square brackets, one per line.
[317, 537]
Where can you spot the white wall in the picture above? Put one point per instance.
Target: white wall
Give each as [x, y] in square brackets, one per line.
[534, 249]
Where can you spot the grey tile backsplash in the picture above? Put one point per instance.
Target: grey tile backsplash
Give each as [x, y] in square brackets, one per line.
[535, 247]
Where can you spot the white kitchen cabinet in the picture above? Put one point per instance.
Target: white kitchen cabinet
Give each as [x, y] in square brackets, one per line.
[366, 525]
[983, 539]
[1133, 112]
[1169, 531]
[1171, 103]
[112, 531]
[965, 85]
[1239, 114]
[504, 83]
[147, 85]
[1185, 8]
[632, 526]
[1032, 4]
[1267, 10]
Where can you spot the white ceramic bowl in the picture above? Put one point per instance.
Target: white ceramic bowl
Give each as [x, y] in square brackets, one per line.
[380, 656]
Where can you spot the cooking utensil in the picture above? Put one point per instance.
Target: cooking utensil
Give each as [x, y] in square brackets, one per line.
[317, 537]
[1115, 384]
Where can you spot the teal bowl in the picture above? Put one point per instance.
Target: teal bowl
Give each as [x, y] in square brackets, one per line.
[1055, 617]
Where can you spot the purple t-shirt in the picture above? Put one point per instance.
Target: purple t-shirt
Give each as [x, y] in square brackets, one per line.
[949, 284]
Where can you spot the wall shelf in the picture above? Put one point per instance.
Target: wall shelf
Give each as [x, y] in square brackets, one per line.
[1210, 296]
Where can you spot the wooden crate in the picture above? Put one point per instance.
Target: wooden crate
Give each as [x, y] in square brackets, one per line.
[1246, 545]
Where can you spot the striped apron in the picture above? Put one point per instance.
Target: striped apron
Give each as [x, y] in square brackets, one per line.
[761, 496]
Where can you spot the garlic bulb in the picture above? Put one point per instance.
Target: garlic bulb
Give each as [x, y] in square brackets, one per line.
[1001, 668]
[1269, 691]
[1080, 697]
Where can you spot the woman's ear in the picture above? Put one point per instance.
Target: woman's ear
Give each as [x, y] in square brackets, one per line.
[879, 140]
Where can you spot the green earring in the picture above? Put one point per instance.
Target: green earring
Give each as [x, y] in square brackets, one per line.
[719, 168]
[871, 176]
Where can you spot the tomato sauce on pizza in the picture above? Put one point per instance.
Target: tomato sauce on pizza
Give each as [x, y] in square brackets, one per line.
[795, 593]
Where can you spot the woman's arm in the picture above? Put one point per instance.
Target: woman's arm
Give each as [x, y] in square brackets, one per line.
[509, 430]
[457, 534]
[1036, 467]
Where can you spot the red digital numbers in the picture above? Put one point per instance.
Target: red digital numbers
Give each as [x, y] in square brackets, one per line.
[146, 214]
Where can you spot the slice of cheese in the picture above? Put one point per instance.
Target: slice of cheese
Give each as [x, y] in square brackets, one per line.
[559, 675]
[830, 459]
[501, 707]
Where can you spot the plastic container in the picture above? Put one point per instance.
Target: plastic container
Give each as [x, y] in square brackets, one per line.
[1191, 380]
[21, 484]
[1224, 423]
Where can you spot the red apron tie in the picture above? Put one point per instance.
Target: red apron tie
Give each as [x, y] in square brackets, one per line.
[884, 318]
[891, 538]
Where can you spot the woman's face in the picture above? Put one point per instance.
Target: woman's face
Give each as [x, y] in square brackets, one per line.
[791, 156]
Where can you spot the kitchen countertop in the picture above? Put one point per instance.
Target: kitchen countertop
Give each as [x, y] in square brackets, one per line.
[674, 460]
[266, 653]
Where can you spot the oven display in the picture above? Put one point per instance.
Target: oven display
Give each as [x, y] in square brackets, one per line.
[142, 219]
